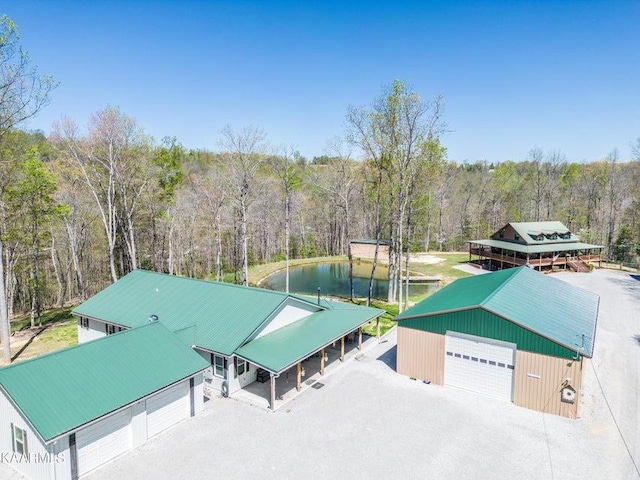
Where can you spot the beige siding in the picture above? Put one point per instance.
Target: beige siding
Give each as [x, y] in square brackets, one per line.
[367, 250]
[420, 355]
[539, 380]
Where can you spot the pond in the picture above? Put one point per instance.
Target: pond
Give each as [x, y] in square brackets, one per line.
[333, 280]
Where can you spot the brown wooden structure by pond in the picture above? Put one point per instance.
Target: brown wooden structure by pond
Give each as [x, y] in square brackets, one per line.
[539, 245]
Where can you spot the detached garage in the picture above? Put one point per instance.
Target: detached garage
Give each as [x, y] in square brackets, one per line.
[64, 414]
[516, 335]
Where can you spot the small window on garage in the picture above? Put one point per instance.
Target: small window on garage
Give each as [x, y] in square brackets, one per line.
[19, 440]
[84, 322]
[218, 366]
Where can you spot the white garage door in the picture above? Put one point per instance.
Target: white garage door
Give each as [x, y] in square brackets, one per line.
[473, 364]
[167, 408]
[104, 440]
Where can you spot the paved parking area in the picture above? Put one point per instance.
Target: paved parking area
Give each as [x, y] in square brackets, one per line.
[369, 422]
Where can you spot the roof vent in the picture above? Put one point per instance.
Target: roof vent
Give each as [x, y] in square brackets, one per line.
[153, 318]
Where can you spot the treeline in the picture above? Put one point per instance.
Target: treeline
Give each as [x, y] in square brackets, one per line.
[83, 207]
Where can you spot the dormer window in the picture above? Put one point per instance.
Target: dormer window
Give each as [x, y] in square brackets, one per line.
[516, 237]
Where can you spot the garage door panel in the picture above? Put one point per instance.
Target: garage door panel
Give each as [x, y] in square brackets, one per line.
[474, 364]
[167, 408]
[104, 440]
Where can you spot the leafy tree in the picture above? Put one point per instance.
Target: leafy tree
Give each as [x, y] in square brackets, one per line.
[31, 199]
[23, 93]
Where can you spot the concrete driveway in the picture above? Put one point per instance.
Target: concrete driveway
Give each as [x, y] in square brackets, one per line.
[369, 422]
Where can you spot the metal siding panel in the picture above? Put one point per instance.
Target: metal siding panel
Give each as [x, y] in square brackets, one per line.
[420, 355]
[543, 393]
[481, 323]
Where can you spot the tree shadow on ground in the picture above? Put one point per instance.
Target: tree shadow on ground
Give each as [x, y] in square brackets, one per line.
[28, 342]
[389, 357]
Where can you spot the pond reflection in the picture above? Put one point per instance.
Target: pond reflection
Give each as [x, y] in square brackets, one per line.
[333, 280]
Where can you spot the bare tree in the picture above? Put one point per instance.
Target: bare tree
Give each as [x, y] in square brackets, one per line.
[109, 162]
[243, 154]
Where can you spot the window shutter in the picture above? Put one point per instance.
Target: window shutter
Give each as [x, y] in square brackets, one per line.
[13, 438]
[235, 367]
[24, 442]
[106, 328]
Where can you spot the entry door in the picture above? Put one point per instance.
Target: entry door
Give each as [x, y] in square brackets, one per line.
[479, 364]
[245, 373]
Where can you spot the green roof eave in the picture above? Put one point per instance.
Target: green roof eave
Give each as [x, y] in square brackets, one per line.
[540, 248]
[90, 380]
[279, 350]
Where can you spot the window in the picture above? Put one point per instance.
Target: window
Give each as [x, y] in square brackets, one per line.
[84, 322]
[218, 366]
[516, 237]
[241, 366]
[19, 440]
[112, 329]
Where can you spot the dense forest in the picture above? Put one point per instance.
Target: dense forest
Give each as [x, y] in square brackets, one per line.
[96, 198]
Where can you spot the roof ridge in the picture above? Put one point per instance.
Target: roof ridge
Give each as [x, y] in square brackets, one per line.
[502, 285]
[216, 282]
[73, 347]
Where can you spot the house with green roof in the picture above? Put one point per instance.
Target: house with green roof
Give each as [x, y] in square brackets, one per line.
[539, 245]
[515, 334]
[66, 413]
[245, 333]
[151, 348]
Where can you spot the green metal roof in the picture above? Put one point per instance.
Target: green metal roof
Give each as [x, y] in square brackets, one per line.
[525, 228]
[540, 303]
[282, 348]
[64, 390]
[224, 315]
[537, 248]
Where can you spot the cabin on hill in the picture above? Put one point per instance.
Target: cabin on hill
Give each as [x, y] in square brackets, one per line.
[538, 245]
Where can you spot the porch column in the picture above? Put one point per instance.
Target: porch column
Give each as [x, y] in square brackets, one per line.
[322, 362]
[272, 404]
[342, 349]
[359, 338]
[378, 328]
[299, 377]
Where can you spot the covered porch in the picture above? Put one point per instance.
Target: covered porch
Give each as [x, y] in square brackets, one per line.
[496, 255]
[296, 357]
[286, 384]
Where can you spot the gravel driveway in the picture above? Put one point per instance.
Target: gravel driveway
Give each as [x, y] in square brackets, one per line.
[368, 422]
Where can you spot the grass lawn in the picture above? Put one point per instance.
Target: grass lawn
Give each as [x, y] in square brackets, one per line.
[59, 330]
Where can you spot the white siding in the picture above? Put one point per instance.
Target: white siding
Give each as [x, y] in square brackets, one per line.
[167, 408]
[198, 393]
[292, 311]
[138, 424]
[212, 383]
[96, 330]
[104, 440]
[35, 447]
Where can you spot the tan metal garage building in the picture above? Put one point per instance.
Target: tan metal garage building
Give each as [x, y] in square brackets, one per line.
[516, 334]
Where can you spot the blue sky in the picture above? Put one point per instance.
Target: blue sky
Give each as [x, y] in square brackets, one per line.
[515, 75]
